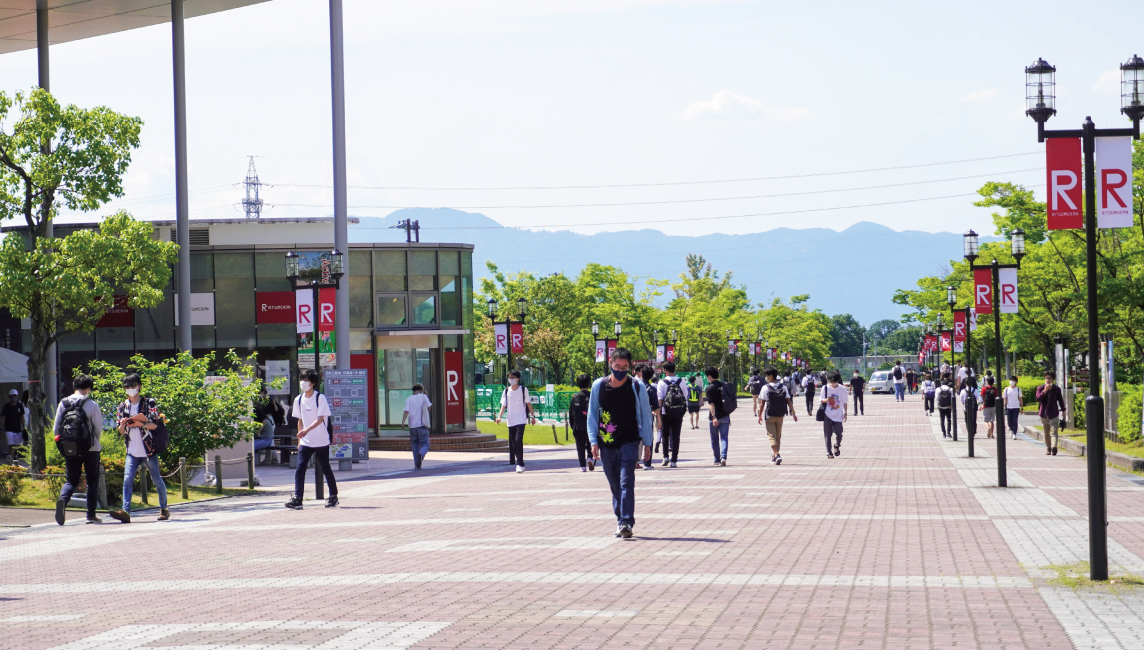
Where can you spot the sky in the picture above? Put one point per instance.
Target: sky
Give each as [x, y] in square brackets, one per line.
[687, 103]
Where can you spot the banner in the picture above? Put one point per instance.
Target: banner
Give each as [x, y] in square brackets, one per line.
[1063, 209]
[972, 320]
[959, 327]
[921, 358]
[1114, 182]
[983, 290]
[732, 347]
[454, 388]
[670, 353]
[120, 315]
[500, 337]
[612, 344]
[660, 353]
[274, 307]
[601, 350]
[1007, 287]
[945, 343]
[304, 311]
[751, 348]
[516, 336]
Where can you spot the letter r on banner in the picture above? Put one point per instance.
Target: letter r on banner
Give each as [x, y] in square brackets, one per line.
[500, 338]
[1114, 173]
[983, 291]
[1007, 286]
[1063, 166]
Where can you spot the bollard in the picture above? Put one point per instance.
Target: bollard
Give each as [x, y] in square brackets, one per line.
[218, 474]
[183, 477]
[143, 488]
[555, 440]
[249, 471]
[319, 489]
[565, 432]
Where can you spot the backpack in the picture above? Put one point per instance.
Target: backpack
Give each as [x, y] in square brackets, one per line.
[776, 401]
[970, 404]
[989, 396]
[945, 398]
[73, 438]
[730, 398]
[929, 388]
[673, 402]
[579, 410]
[693, 395]
[897, 372]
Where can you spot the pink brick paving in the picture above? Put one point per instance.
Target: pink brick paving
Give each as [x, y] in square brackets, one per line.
[885, 547]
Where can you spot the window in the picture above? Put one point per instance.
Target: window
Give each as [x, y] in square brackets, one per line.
[389, 270]
[450, 300]
[361, 314]
[422, 270]
[234, 300]
[391, 311]
[424, 308]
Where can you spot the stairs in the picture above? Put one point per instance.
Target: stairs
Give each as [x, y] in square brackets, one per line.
[475, 442]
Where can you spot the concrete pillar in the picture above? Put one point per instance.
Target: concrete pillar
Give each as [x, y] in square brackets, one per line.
[182, 198]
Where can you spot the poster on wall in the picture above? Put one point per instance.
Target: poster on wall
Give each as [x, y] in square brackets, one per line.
[278, 370]
[202, 309]
[454, 388]
[349, 413]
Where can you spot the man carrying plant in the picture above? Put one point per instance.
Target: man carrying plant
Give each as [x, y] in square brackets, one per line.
[138, 417]
[78, 419]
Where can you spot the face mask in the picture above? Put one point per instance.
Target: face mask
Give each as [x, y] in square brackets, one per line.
[1012, 383]
[132, 392]
[619, 374]
[513, 381]
[305, 386]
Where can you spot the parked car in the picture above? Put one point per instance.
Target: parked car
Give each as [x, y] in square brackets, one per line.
[881, 382]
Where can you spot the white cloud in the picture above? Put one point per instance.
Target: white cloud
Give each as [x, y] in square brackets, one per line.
[726, 105]
[1108, 83]
[978, 96]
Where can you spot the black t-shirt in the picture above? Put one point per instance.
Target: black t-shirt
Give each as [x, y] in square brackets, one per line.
[13, 416]
[618, 422]
[715, 396]
[857, 384]
[653, 399]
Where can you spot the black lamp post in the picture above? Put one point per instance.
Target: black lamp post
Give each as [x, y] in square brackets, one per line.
[522, 309]
[595, 338]
[1041, 97]
[329, 277]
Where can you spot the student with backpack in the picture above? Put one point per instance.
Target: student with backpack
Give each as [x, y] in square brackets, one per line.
[791, 382]
[945, 396]
[857, 388]
[899, 376]
[675, 398]
[76, 431]
[754, 387]
[989, 405]
[834, 413]
[970, 401]
[644, 375]
[809, 387]
[721, 402]
[911, 381]
[776, 404]
[694, 400]
[312, 411]
[578, 418]
[515, 400]
[138, 419]
[929, 392]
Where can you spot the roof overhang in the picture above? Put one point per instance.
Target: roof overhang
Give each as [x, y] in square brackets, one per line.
[72, 20]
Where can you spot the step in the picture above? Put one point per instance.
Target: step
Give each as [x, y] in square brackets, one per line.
[475, 442]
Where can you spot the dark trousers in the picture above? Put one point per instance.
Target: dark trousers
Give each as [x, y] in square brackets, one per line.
[946, 421]
[516, 445]
[322, 459]
[810, 395]
[672, 426]
[89, 463]
[1011, 416]
[583, 445]
[859, 403]
[620, 468]
[929, 404]
[831, 427]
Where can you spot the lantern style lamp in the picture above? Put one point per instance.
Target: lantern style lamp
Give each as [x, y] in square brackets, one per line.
[618, 328]
[674, 338]
[522, 307]
[492, 308]
[940, 322]
[1040, 91]
[292, 266]
[1017, 241]
[969, 241]
[1132, 88]
[951, 296]
[337, 266]
[595, 329]
[654, 337]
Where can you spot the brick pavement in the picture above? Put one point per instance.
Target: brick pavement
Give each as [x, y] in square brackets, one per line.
[899, 543]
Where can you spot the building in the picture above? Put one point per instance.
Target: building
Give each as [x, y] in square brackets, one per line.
[411, 314]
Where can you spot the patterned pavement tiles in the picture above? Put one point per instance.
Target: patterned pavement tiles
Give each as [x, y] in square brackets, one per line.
[899, 543]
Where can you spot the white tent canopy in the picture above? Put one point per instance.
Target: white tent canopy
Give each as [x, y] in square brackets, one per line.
[13, 367]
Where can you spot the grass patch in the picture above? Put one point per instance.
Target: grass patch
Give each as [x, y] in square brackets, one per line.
[1075, 576]
[534, 434]
[1127, 448]
[38, 494]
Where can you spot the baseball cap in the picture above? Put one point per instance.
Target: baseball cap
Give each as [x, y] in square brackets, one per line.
[13, 392]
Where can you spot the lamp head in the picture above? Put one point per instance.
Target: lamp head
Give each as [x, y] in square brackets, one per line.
[337, 264]
[951, 296]
[595, 328]
[1017, 241]
[522, 307]
[1040, 91]
[1132, 88]
[492, 303]
[292, 265]
[969, 243]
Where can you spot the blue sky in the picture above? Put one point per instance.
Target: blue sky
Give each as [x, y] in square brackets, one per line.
[518, 93]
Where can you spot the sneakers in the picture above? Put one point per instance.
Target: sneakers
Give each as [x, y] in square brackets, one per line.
[673, 463]
[1048, 452]
[1054, 451]
[716, 463]
[294, 504]
[164, 514]
[332, 502]
[837, 450]
[591, 464]
[520, 469]
[722, 462]
[829, 455]
[121, 516]
[626, 531]
[666, 462]
[61, 505]
[92, 519]
[584, 469]
[778, 459]
[647, 465]
[619, 530]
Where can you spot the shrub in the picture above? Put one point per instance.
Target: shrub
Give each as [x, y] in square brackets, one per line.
[1128, 414]
[11, 484]
[54, 478]
[113, 478]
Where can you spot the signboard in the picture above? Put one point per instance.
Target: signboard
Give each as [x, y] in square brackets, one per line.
[202, 309]
[277, 370]
[983, 290]
[120, 315]
[275, 307]
[1063, 210]
[601, 350]
[1007, 287]
[500, 337]
[347, 391]
[454, 388]
[516, 337]
[304, 314]
[1114, 181]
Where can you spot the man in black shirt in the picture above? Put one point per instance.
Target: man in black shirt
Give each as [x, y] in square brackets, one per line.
[578, 416]
[619, 419]
[718, 419]
[857, 386]
[13, 419]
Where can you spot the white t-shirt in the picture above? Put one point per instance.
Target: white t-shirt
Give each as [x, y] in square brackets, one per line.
[135, 434]
[896, 379]
[661, 390]
[514, 400]
[976, 395]
[309, 409]
[1012, 396]
[837, 400]
[415, 406]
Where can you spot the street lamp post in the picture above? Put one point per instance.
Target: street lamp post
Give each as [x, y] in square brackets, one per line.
[951, 297]
[1040, 83]
[595, 339]
[522, 308]
[329, 277]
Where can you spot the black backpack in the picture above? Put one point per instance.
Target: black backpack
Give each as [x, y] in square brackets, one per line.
[970, 404]
[730, 397]
[897, 372]
[945, 397]
[73, 438]
[579, 409]
[776, 401]
[674, 403]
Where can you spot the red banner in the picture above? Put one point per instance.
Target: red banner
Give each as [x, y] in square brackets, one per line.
[983, 291]
[612, 345]
[670, 353]
[945, 344]
[454, 388]
[959, 327]
[120, 315]
[274, 307]
[516, 337]
[1063, 204]
[326, 298]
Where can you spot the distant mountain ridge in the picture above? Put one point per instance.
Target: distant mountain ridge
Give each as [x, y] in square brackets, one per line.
[854, 271]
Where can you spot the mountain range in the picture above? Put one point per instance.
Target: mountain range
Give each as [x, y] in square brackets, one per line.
[854, 271]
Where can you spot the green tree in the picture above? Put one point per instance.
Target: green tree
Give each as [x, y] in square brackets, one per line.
[846, 336]
[53, 156]
[883, 328]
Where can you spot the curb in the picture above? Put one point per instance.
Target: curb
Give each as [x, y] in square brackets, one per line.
[1114, 458]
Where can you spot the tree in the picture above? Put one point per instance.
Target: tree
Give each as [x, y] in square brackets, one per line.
[846, 336]
[52, 155]
[881, 329]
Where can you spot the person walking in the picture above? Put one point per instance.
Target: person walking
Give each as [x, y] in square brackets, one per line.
[911, 381]
[718, 418]
[989, 405]
[899, 376]
[619, 420]
[963, 374]
[675, 398]
[644, 376]
[138, 417]
[945, 399]
[312, 411]
[13, 419]
[754, 387]
[834, 397]
[578, 418]
[1050, 405]
[775, 404]
[515, 400]
[929, 391]
[417, 413]
[84, 413]
[857, 387]
[1014, 402]
[971, 403]
[791, 382]
[809, 387]
[694, 401]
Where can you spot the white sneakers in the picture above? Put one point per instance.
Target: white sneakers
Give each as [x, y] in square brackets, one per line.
[520, 469]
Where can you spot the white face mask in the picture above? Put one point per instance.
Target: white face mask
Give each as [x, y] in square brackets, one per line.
[305, 386]
[132, 392]
[513, 381]
[1012, 383]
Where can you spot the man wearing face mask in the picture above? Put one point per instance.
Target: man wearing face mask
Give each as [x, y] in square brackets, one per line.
[619, 419]
[514, 399]
[138, 417]
[313, 412]
[88, 463]
[1013, 404]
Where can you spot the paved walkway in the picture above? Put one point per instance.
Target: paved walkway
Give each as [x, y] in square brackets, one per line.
[902, 542]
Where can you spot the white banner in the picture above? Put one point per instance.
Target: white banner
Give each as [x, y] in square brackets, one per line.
[1114, 182]
[1007, 287]
[601, 350]
[500, 338]
[304, 312]
[972, 320]
[202, 309]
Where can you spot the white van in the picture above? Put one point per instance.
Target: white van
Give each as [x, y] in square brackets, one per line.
[881, 382]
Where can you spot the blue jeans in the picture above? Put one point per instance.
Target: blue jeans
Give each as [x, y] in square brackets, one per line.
[719, 430]
[1011, 416]
[620, 468]
[262, 443]
[419, 443]
[132, 466]
[900, 391]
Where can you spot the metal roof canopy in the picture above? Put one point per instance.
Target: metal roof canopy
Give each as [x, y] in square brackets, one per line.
[73, 20]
